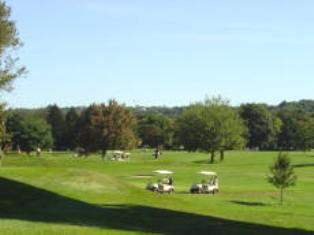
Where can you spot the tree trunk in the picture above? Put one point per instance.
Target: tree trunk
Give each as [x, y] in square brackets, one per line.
[103, 154]
[281, 195]
[222, 155]
[212, 156]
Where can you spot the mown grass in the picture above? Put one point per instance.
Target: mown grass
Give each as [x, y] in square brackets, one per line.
[59, 194]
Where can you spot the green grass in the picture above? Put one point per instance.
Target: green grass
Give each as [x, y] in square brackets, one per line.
[59, 194]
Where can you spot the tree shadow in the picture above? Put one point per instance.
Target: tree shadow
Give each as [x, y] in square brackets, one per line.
[303, 165]
[243, 203]
[205, 162]
[25, 202]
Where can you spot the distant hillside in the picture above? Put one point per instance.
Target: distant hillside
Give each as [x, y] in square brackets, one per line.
[167, 111]
[305, 106]
[137, 110]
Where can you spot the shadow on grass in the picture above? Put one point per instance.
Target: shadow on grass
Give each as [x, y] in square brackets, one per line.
[205, 162]
[303, 165]
[25, 202]
[243, 203]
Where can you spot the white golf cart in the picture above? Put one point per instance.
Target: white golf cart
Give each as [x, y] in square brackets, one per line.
[164, 182]
[120, 156]
[209, 183]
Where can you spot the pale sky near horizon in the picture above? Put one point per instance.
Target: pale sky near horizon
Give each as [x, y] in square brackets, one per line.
[163, 52]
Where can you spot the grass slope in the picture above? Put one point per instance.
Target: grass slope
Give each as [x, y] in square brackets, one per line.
[59, 194]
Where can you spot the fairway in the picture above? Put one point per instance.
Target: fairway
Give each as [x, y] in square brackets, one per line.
[60, 194]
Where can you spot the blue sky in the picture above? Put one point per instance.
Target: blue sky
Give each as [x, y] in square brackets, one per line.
[163, 52]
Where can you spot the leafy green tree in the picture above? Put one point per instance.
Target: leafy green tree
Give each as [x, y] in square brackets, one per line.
[9, 43]
[9, 68]
[232, 131]
[71, 129]
[110, 126]
[189, 128]
[56, 120]
[88, 133]
[29, 132]
[282, 174]
[297, 132]
[155, 130]
[302, 106]
[211, 126]
[4, 135]
[263, 126]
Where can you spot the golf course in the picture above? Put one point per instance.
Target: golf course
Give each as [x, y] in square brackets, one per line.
[57, 193]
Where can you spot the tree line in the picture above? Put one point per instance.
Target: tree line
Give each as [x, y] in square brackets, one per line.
[212, 125]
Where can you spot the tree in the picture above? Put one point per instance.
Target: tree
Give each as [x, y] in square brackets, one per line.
[263, 126]
[189, 128]
[4, 135]
[282, 174]
[56, 120]
[9, 42]
[9, 69]
[29, 132]
[232, 131]
[71, 129]
[297, 132]
[211, 126]
[155, 130]
[302, 106]
[104, 127]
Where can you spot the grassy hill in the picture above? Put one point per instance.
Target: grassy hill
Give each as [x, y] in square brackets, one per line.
[59, 194]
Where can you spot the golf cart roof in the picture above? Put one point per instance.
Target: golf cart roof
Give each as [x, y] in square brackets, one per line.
[163, 172]
[117, 152]
[207, 173]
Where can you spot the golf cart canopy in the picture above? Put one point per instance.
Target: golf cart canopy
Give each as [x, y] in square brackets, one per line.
[163, 172]
[117, 152]
[207, 173]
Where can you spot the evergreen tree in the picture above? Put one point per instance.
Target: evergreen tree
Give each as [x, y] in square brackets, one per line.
[282, 174]
[263, 126]
[56, 120]
[155, 130]
[71, 129]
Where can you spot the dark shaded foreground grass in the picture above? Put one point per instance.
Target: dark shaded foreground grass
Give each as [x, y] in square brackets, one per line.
[28, 203]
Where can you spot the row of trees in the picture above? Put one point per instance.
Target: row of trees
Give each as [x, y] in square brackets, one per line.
[97, 128]
[213, 126]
